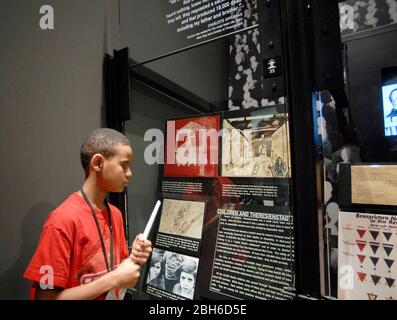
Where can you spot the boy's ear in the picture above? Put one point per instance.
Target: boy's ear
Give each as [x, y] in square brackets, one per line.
[97, 162]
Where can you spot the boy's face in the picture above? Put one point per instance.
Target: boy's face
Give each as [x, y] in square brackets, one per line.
[155, 270]
[116, 170]
[172, 264]
[187, 282]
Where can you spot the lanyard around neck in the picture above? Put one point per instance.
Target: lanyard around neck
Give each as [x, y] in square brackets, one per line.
[110, 265]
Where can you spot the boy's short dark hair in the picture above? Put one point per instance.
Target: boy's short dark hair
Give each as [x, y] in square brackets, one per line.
[189, 266]
[102, 141]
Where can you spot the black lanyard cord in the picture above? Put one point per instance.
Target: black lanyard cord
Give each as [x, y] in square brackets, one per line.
[108, 266]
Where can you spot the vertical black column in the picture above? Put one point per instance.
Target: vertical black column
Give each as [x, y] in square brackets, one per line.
[272, 51]
[117, 111]
[287, 54]
[306, 169]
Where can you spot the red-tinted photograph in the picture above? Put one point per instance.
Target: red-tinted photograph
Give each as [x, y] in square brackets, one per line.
[192, 147]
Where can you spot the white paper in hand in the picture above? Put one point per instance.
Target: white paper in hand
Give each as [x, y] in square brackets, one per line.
[149, 224]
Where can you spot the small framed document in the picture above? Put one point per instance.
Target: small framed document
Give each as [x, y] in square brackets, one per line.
[374, 184]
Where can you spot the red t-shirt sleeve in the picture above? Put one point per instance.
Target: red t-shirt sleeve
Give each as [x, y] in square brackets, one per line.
[123, 245]
[51, 261]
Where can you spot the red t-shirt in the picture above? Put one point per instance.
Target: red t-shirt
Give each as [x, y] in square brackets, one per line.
[70, 245]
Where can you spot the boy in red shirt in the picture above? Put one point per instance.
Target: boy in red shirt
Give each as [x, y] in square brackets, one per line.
[82, 252]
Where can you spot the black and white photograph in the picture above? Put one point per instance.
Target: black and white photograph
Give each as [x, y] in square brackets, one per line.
[390, 109]
[173, 272]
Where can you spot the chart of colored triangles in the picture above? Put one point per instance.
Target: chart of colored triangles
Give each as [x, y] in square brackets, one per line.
[367, 256]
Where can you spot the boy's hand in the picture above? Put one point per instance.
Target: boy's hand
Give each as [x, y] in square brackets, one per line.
[141, 250]
[126, 275]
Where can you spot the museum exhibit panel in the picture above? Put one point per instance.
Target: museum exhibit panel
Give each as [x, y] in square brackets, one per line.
[266, 129]
[358, 151]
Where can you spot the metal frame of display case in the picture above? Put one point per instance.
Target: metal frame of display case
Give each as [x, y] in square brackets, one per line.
[305, 176]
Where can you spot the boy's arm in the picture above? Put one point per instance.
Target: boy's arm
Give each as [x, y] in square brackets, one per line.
[125, 276]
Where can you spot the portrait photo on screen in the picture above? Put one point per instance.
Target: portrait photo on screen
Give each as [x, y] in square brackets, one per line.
[389, 93]
[256, 144]
[173, 273]
[182, 218]
[192, 147]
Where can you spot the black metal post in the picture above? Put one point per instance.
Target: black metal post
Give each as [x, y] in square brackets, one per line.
[306, 172]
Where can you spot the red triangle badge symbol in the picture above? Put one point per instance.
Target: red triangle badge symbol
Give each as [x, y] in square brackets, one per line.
[361, 232]
[361, 258]
[361, 245]
[361, 276]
